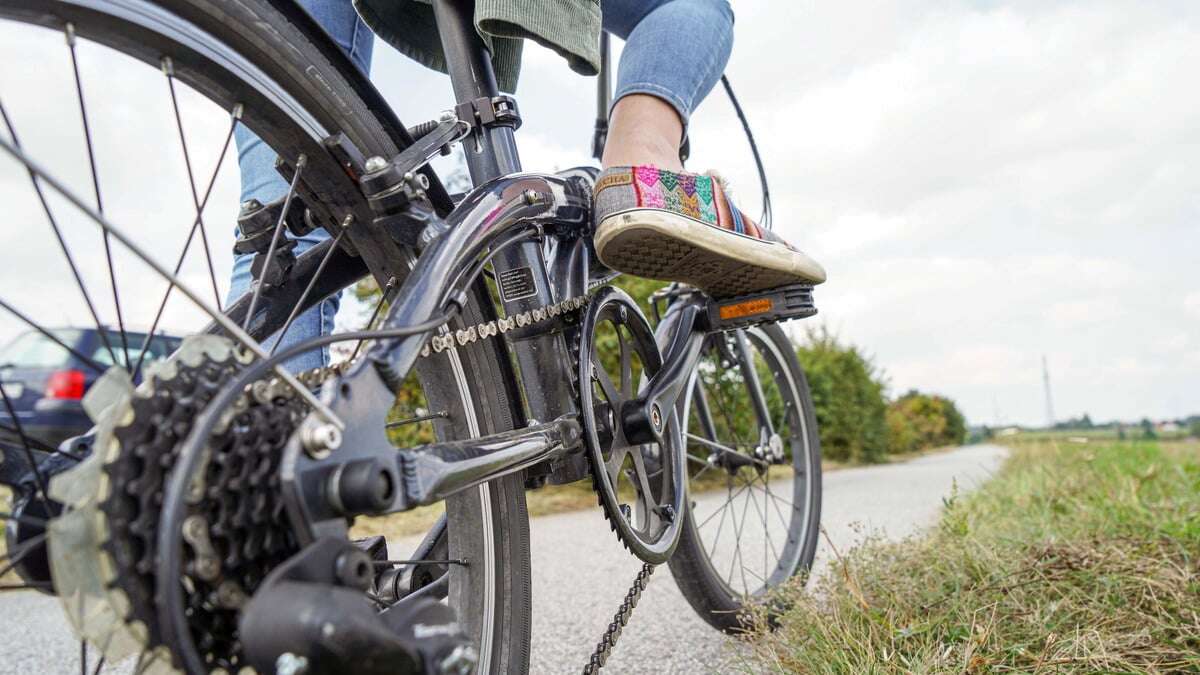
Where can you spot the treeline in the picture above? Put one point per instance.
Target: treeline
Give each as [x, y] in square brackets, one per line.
[857, 421]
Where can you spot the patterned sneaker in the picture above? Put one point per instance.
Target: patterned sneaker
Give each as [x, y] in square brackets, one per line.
[665, 225]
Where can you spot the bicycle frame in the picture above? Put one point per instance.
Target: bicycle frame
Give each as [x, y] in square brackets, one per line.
[506, 220]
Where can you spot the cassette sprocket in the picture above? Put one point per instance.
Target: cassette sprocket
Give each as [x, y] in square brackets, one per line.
[236, 531]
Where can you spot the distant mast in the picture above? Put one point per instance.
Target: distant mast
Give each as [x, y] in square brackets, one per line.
[1049, 400]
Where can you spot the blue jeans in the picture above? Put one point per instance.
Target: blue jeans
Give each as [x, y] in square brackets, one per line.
[674, 49]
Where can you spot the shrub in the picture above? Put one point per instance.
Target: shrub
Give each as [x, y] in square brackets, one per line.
[847, 392]
[917, 421]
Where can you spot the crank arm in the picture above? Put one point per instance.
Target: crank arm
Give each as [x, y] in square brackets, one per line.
[644, 418]
[430, 473]
[436, 471]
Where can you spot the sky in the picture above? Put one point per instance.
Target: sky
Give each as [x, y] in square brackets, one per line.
[987, 184]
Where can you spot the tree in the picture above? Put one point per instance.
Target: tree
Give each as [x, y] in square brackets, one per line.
[847, 391]
[1148, 431]
[917, 421]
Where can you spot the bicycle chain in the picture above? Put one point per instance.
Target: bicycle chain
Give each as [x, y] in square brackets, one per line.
[609, 640]
[489, 329]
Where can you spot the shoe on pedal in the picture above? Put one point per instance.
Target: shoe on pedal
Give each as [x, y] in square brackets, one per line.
[679, 226]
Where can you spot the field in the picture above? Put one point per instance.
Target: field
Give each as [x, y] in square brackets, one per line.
[1076, 558]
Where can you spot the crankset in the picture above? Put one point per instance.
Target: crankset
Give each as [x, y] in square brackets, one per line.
[641, 484]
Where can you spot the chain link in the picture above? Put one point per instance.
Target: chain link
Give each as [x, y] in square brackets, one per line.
[482, 331]
[609, 640]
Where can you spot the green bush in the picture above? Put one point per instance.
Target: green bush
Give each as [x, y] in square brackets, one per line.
[917, 421]
[847, 392]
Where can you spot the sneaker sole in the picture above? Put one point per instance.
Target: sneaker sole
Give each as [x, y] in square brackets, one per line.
[663, 245]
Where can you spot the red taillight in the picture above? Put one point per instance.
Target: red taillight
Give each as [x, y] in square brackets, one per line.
[65, 384]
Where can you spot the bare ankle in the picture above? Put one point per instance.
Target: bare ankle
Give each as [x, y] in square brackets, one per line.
[644, 130]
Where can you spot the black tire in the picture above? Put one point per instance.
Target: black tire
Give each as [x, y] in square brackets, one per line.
[303, 90]
[710, 592]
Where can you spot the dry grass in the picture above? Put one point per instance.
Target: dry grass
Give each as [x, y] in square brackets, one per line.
[1074, 559]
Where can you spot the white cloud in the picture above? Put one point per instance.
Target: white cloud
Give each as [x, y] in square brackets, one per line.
[987, 183]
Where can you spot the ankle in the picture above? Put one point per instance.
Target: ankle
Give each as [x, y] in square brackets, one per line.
[640, 149]
[645, 130]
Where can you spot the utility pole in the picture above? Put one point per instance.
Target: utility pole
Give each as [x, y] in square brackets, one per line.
[1049, 400]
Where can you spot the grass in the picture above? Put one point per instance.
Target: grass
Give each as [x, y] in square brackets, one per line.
[1073, 559]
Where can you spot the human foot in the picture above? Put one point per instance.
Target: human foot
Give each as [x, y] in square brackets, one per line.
[679, 226]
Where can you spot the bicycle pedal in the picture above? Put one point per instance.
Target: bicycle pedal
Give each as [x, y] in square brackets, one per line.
[778, 304]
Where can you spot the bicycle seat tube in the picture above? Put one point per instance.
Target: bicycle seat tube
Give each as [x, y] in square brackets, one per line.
[492, 152]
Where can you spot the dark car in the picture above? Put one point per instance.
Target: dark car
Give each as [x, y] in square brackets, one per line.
[45, 383]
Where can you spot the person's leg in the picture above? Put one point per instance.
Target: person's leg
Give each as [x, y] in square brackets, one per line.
[675, 52]
[260, 181]
[653, 219]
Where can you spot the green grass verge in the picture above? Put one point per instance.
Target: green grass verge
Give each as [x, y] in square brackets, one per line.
[1073, 559]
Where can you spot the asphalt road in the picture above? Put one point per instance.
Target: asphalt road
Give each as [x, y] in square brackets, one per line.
[581, 573]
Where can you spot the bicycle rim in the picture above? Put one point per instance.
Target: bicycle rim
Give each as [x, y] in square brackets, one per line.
[293, 116]
[748, 532]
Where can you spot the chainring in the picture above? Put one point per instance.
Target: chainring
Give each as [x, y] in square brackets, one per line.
[236, 530]
[651, 525]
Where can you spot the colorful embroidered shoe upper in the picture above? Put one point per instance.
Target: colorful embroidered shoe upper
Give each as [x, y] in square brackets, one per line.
[654, 188]
[692, 195]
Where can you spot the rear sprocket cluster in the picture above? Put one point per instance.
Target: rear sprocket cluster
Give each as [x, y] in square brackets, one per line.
[235, 531]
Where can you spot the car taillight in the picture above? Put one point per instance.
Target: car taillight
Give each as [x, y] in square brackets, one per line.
[65, 384]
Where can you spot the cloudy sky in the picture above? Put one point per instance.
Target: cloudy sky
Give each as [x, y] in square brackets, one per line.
[986, 182]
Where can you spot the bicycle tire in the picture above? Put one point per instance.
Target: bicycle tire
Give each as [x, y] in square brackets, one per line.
[321, 84]
[692, 566]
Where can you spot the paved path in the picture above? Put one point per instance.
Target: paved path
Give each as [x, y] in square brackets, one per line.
[581, 574]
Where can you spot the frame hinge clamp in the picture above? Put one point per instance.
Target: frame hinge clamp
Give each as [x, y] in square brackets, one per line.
[485, 112]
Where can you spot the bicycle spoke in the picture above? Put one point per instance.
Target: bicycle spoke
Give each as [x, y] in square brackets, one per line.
[441, 414]
[732, 496]
[52, 337]
[720, 526]
[62, 243]
[34, 586]
[308, 289]
[87, 134]
[383, 295]
[225, 322]
[41, 445]
[212, 181]
[37, 472]
[782, 520]
[739, 556]
[168, 69]
[27, 520]
[14, 558]
[287, 204]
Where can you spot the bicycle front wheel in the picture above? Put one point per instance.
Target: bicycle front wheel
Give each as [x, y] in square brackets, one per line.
[754, 463]
[213, 64]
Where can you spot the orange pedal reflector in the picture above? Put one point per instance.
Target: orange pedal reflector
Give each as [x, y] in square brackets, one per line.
[746, 308]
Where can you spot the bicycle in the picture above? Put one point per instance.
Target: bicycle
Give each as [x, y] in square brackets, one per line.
[204, 523]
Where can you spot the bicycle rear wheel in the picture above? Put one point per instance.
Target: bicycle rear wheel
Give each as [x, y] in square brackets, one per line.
[267, 65]
[755, 482]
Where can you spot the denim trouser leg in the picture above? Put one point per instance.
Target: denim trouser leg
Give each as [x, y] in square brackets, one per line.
[674, 49]
[260, 181]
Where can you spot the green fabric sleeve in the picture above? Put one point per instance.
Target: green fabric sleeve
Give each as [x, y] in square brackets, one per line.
[569, 27]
